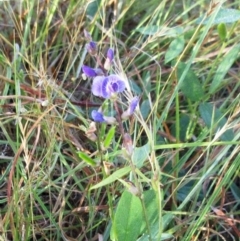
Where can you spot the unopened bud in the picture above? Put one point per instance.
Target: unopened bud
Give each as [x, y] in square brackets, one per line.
[92, 48]
[128, 144]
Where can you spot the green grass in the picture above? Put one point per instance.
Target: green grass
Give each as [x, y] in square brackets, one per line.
[58, 184]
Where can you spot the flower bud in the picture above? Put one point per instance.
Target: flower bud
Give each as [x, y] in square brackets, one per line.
[87, 35]
[132, 106]
[109, 59]
[92, 48]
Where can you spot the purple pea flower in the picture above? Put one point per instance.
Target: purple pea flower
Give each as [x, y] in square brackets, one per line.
[88, 71]
[109, 59]
[107, 86]
[110, 54]
[99, 117]
[132, 106]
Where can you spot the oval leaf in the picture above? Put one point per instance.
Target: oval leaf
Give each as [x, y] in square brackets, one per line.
[140, 154]
[225, 15]
[128, 218]
[190, 86]
[175, 49]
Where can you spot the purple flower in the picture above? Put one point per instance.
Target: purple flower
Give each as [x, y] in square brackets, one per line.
[107, 86]
[99, 117]
[109, 59]
[88, 71]
[92, 48]
[110, 54]
[132, 106]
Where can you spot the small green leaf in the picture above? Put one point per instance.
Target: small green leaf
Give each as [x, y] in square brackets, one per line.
[109, 137]
[86, 158]
[140, 154]
[175, 48]
[128, 218]
[225, 65]
[191, 85]
[92, 7]
[213, 118]
[112, 178]
[222, 31]
[145, 109]
[225, 15]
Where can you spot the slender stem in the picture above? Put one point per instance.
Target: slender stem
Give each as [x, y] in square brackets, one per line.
[125, 142]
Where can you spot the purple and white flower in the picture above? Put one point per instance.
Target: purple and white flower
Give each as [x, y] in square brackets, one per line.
[107, 86]
[109, 59]
[99, 117]
[132, 106]
[88, 71]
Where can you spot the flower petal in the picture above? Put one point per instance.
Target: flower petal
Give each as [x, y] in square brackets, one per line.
[97, 85]
[88, 71]
[97, 116]
[106, 93]
[110, 54]
[115, 79]
[133, 104]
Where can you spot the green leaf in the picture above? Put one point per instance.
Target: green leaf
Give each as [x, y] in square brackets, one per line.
[175, 48]
[166, 219]
[128, 218]
[140, 154]
[225, 15]
[92, 7]
[190, 86]
[222, 31]
[213, 118]
[86, 158]
[109, 137]
[225, 65]
[145, 109]
[112, 178]
[151, 205]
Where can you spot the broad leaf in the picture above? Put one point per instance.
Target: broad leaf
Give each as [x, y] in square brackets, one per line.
[140, 155]
[145, 109]
[128, 218]
[175, 49]
[225, 15]
[190, 86]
